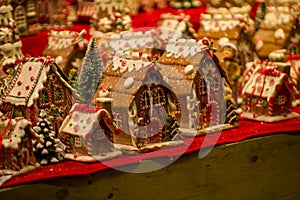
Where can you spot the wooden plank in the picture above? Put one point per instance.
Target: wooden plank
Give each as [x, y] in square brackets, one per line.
[260, 168]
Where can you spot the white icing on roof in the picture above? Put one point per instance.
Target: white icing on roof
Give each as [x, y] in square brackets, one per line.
[28, 81]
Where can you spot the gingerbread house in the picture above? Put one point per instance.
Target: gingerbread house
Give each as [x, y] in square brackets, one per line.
[141, 102]
[278, 30]
[67, 47]
[86, 131]
[269, 94]
[111, 17]
[179, 23]
[192, 98]
[10, 43]
[295, 72]
[37, 84]
[85, 10]
[26, 16]
[16, 148]
[232, 25]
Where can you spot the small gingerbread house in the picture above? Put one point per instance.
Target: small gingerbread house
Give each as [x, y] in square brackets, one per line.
[179, 23]
[111, 17]
[37, 84]
[26, 16]
[67, 47]
[269, 94]
[10, 43]
[16, 148]
[231, 24]
[295, 72]
[86, 131]
[279, 30]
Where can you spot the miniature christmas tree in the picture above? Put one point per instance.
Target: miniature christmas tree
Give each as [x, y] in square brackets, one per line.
[52, 149]
[90, 74]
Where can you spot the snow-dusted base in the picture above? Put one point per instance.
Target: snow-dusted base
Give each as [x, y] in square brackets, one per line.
[148, 147]
[93, 158]
[263, 118]
[22, 171]
[213, 129]
[296, 102]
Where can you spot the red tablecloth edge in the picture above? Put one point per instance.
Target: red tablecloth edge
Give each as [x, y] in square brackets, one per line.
[248, 129]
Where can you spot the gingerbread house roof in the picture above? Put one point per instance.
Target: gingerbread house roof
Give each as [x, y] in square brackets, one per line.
[179, 23]
[29, 78]
[84, 119]
[267, 82]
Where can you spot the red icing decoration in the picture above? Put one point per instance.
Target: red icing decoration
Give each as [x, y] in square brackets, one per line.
[118, 131]
[32, 78]
[110, 121]
[102, 114]
[19, 93]
[27, 87]
[19, 83]
[30, 68]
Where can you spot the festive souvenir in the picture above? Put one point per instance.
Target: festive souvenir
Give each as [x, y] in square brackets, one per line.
[269, 92]
[10, 43]
[279, 29]
[25, 16]
[232, 24]
[179, 23]
[152, 106]
[232, 68]
[51, 149]
[16, 148]
[86, 134]
[37, 83]
[110, 17]
[67, 47]
[295, 73]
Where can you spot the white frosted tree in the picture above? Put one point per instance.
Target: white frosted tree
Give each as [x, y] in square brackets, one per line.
[52, 149]
[90, 74]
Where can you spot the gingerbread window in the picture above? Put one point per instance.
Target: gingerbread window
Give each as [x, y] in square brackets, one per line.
[118, 120]
[145, 100]
[58, 94]
[160, 96]
[77, 142]
[202, 88]
[281, 100]
[45, 98]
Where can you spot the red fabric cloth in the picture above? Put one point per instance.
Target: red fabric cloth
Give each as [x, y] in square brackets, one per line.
[247, 129]
[34, 45]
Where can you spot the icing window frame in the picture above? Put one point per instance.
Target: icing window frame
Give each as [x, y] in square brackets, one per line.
[281, 99]
[58, 89]
[159, 96]
[44, 93]
[145, 100]
[202, 87]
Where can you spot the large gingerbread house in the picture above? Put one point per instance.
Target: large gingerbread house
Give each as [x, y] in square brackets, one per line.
[269, 93]
[144, 92]
[278, 30]
[36, 84]
[86, 131]
[16, 148]
[67, 47]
